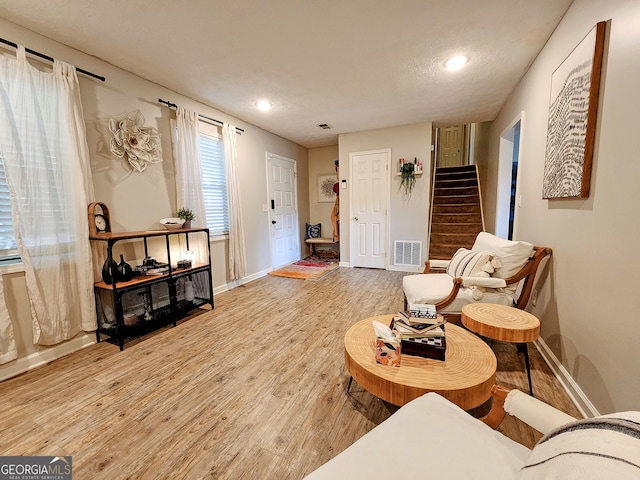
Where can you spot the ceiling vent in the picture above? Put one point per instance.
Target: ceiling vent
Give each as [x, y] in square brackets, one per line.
[325, 126]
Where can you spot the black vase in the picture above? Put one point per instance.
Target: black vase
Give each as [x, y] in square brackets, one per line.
[109, 269]
[124, 270]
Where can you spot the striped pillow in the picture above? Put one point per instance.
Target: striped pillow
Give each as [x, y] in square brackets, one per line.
[602, 447]
[468, 263]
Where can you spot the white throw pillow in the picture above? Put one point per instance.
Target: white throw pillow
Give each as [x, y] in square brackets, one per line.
[467, 263]
[602, 447]
[512, 255]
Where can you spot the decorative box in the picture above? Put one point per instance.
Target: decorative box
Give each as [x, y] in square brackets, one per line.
[434, 347]
[388, 352]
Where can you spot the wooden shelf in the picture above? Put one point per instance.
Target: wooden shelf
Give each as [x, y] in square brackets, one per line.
[417, 174]
[164, 296]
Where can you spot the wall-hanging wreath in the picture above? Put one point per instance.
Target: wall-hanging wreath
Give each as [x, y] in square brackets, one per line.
[130, 138]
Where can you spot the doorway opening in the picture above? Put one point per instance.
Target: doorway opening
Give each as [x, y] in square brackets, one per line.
[507, 198]
[454, 145]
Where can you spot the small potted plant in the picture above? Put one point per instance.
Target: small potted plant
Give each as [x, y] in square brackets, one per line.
[408, 179]
[187, 215]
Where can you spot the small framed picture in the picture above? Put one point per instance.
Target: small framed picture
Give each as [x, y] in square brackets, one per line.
[325, 188]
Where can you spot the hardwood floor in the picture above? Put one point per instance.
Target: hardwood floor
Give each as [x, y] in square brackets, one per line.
[253, 389]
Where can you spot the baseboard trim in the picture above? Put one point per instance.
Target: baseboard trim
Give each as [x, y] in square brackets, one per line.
[577, 396]
[397, 268]
[42, 357]
[236, 283]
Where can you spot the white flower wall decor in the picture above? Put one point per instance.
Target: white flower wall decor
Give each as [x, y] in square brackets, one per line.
[130, 137]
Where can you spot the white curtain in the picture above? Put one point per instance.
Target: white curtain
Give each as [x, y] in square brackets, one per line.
[189, 175]
[237, 260]
[46, 162]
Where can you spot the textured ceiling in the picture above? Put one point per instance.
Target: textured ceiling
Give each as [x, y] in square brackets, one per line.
[353, 64]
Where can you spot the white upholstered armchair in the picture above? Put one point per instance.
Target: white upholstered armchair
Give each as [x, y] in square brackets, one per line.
[495, 270]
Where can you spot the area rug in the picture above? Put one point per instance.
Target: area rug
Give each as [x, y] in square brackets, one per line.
[311, 268]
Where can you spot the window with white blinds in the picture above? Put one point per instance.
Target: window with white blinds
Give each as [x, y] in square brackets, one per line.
[8, 248]
[214, 184]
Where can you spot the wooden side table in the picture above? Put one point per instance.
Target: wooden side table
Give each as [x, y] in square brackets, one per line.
[507, 324]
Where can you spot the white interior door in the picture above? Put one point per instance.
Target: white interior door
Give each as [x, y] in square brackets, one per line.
[283, 210]
[369, 207]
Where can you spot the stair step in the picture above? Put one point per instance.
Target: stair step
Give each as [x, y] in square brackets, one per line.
[451, 227]
[456, 182]
[456, 199]
[459, 168]
[453, 238]
[455, 175]
[444, 208]
[445, 252]
[454, 191]
[457, 218]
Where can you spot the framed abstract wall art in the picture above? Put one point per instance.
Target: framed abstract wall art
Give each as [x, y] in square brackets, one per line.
[573, 108]
[325, 188]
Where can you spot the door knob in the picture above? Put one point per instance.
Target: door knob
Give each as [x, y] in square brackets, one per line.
[273, 222]
[355, 218]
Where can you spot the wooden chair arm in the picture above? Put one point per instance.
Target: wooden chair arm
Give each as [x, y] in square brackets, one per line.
[457, 283]
[497, 412]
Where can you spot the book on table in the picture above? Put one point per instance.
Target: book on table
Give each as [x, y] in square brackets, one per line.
[431, 330]
[408, 317]
[428, 343]
[422, 310]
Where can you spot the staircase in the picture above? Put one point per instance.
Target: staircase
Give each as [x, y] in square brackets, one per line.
[456, 211]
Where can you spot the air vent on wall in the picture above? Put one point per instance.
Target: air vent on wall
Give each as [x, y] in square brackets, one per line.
[325, 126]
[407, 253]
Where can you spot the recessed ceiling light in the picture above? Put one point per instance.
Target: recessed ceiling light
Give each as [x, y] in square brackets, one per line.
[456, 63]
[264, 105]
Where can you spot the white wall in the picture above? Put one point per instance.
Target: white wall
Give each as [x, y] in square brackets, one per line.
[137, 201]
[587, 303]
[408, 219]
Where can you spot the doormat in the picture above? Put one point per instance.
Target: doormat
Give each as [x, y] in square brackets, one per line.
[311, 268]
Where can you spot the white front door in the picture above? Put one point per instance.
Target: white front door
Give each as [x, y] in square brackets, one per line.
[283, 210]
[369, 206]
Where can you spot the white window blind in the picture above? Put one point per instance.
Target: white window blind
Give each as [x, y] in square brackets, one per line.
[214, 184]
[8, 247]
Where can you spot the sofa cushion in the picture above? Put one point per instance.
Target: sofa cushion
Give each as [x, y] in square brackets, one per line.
[429, 437]
[607, 446]
[468, 263]
[512, 254]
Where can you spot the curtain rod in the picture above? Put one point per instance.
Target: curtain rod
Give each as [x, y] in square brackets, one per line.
[173, 105]
[47, 57]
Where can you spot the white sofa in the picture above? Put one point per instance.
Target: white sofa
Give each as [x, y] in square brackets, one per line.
[432, 438]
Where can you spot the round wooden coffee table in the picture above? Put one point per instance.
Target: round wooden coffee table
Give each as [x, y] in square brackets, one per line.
[507, 324]
[465, 377]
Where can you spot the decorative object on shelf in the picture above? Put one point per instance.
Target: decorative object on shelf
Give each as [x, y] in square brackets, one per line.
[326, 193]
[408, 177]
[572, 119]
[173, 223]
[189, 293]
[189, 255]
[99, 219]
[109, 269]
[187, 215]
[129, 137]
[125, 272]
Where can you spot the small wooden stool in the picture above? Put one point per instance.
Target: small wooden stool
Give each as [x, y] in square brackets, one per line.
[507, 324]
